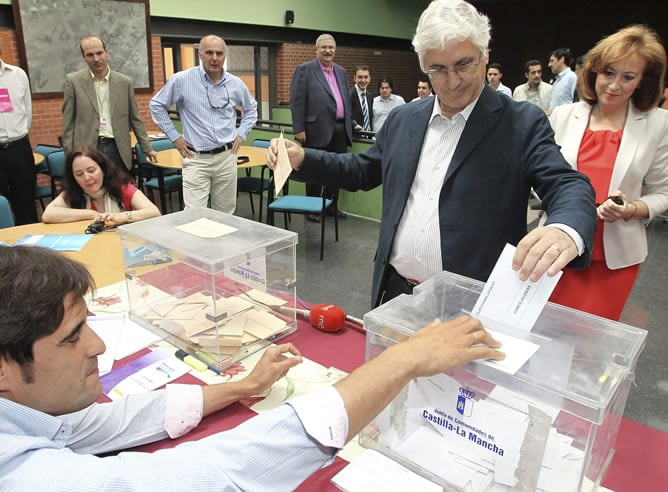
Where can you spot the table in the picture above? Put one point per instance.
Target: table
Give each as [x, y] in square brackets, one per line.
[640, 451]
[101, 255]
[172, 159]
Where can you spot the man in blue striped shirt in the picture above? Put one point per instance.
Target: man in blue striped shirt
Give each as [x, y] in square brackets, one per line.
[206, 97]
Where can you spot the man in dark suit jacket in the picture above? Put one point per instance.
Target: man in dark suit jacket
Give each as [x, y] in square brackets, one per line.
[320, 104]
[362, 80]
[457, 171]
[99, 108]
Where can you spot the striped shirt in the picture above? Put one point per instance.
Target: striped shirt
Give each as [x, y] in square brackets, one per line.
[207, 110]
[416, 253]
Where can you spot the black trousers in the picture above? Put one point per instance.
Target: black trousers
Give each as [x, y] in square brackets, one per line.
[111, 151]
[395, 285]
[18, 179]
[338, 144]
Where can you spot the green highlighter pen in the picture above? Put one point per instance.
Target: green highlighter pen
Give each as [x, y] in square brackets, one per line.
[190, 360]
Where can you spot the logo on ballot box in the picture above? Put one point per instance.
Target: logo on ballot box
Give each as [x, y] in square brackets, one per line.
[465, 402]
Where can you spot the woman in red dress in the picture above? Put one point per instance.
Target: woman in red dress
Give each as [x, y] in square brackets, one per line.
[619, 139]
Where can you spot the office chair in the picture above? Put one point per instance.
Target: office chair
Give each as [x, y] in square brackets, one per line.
[304, 205]
[44, 192]
[149, 175]
[6, 216]
[56, 164]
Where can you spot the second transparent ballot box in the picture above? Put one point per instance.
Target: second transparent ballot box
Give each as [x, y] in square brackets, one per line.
[549, 427]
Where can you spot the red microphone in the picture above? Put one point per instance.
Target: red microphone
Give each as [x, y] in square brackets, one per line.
[325, 317]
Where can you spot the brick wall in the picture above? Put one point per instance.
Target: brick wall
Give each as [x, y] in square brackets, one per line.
[47, 122]
[400, 66]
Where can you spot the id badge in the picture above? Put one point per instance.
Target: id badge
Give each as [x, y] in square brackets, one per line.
[103, 123]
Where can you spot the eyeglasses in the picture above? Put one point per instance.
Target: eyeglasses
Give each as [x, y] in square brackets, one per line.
[211, 95]
[462, 68]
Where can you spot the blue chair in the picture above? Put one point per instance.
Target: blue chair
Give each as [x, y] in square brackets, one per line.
[44, 192]
[253, 184]
[152, 178]
[56, 164]
[6, 216]
[298, 204]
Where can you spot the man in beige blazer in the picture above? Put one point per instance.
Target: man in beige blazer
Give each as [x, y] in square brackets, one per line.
[100, 108]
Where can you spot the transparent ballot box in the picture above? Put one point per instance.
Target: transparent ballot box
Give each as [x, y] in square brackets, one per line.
[213, 284]
[551, 426]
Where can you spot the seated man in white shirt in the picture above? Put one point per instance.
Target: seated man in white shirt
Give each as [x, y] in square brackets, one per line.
[51, 427]
[494, 76]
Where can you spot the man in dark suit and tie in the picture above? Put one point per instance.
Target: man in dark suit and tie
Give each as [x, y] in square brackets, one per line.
[320, 104]
[361, 100]
[457, 170]
[99, 108]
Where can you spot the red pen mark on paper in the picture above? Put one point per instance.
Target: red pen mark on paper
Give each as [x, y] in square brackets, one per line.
[107, 301]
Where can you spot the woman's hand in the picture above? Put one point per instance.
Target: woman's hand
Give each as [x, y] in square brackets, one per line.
[617, 207]
[114, 219]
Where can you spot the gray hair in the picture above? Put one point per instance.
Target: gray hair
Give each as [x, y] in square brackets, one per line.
[450, 20]
[324, 37]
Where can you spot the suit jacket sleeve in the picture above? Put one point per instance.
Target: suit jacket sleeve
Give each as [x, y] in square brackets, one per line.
[136, 122]
[298, 99]
[69, 111]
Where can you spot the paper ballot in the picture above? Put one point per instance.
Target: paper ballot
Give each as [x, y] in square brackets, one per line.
[511, 301]
[283, 168]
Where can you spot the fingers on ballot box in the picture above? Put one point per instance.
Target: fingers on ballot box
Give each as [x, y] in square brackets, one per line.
[211, 283]
[551, 426]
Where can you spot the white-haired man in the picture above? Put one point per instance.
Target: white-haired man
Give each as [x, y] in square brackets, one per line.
[457, 171]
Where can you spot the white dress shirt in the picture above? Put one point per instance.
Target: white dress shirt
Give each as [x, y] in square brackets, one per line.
[14, 124]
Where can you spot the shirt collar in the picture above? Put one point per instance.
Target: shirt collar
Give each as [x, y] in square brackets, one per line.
[359, 91]
[105, 78]
[466, 112]
[205, 76]
[324, 68]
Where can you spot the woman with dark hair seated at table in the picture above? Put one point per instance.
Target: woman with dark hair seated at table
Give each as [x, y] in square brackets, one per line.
[619, 139]
[95, 189]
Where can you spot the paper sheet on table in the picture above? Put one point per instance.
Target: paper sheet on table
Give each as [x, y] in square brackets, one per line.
[205, 228]
[283, 167]
[508, 300]
[121, 336]
[372, 471]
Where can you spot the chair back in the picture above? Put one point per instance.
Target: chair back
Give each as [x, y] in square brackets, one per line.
[56, 162]
[6, 216]
[45, 150]
[158, 145]
[260, 142]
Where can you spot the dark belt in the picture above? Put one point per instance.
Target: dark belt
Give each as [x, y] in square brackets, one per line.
[6, 145]
[409, 282]
[218, 150]
[105, 140]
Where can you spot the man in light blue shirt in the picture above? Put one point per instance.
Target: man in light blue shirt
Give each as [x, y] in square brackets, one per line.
[206, 97]
[565, 79]
[51, 428]
[384, 103]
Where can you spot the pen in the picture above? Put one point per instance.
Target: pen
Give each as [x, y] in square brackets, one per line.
[190, 360]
